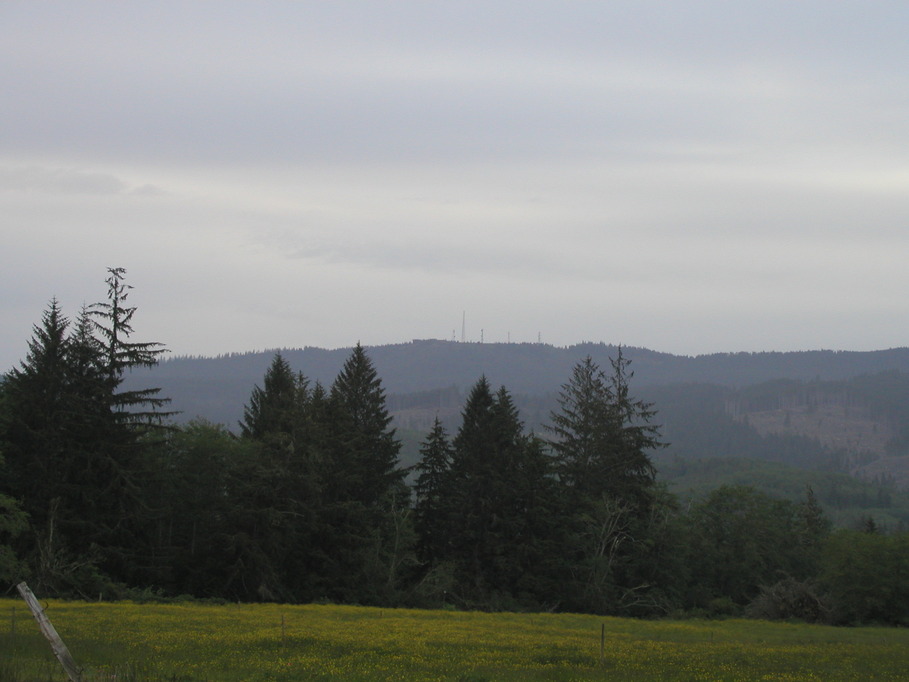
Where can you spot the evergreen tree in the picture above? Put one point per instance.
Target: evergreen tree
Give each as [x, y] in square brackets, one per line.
[602, 435]
[277, 490]
[50, 438]
[636, 435]
[13, 520]
[274, 409]
[476, 486]
[812, 528]
[113, 329]
[499, 503]
[123, 521]
[601, 438]
[37, 396]
[535, 528]
[365, 535]
[75, 446]
[431, 491]
[369, 449]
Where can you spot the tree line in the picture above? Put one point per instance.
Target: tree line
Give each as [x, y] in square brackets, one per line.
[102, 495]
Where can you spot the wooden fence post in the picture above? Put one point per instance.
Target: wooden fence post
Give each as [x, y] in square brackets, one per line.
[59, 648]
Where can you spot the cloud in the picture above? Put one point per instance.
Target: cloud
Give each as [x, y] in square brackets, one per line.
[148, 190]
[58, 181]
[655, 173]
[69, 181]
[319, 83]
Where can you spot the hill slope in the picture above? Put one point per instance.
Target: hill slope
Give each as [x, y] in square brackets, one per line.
[821, 413]
[217, 388]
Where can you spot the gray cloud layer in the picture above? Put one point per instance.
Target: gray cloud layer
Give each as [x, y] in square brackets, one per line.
[692, 176]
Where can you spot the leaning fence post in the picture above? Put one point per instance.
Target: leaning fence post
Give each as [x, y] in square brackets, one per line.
[59, 648]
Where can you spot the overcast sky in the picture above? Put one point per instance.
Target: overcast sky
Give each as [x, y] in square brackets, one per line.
[691, 177]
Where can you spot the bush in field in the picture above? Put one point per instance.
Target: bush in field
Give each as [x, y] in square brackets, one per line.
[790, 599]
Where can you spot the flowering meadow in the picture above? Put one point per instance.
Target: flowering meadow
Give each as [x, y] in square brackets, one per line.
[194, 642]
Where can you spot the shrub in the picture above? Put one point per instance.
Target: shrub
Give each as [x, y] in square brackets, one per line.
[790, 599]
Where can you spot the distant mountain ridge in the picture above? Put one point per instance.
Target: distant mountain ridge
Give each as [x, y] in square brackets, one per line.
[216, 388]
[777, 420]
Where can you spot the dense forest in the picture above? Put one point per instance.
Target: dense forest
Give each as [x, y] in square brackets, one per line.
[105, 493]
[775, 421]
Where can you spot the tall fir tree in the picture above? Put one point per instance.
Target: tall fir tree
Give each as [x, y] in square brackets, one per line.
[498, 495]
[431, 489]
[602, 436]
[636, 435]
[76, 446]
[124, 521]
[601, 439]
[38, 399]
[368, 446]
[364, 496]
[476, 486]
[276, 487]
[113, 329]
[276, 408]
[56, 423]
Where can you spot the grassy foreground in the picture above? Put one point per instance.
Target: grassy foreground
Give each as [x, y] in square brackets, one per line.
[128, 641]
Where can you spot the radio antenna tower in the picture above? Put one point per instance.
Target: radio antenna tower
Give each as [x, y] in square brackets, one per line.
[463, 326]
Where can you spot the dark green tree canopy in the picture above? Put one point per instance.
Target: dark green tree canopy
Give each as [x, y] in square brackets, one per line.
[310, 503]
[365, 444]
[499, 502]
[75, 444]
[358, 392]
[742, 539]
[602, 435]
[431, 490]
[277, 406]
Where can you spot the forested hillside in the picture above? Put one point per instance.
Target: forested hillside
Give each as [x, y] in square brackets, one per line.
[215, 388]
[602, 493]
[837, 412]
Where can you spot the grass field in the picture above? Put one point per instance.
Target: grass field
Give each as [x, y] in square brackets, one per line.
[128, 641]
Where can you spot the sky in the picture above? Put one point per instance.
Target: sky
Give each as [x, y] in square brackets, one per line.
[690, 177]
